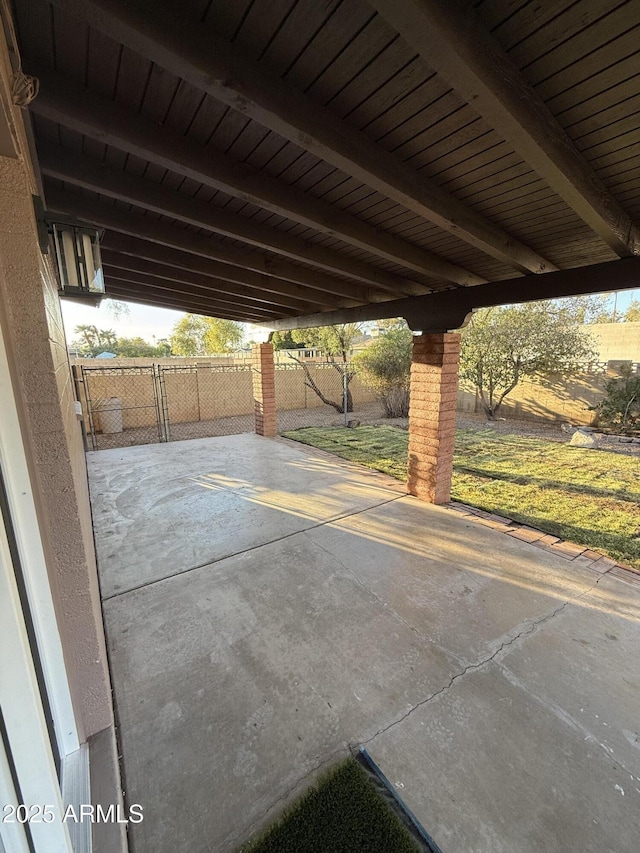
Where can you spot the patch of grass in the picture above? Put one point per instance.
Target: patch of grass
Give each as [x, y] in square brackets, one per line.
[382, 448]
[342, 813]
[588, 497]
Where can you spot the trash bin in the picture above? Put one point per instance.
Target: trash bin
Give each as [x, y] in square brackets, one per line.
[110, 412]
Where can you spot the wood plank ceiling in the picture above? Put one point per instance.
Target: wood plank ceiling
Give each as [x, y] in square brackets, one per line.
[266, 160]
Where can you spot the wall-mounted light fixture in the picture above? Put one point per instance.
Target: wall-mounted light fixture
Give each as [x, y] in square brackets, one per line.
[77, 249]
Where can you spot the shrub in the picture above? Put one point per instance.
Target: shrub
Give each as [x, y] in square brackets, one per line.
[620, 409]
[385, 368]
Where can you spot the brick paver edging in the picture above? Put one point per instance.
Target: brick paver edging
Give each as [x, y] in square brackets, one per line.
[579, 554]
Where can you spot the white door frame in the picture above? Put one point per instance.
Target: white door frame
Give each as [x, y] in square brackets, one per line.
[25, 724]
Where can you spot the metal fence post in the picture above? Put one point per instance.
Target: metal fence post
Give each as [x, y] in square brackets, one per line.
[345, 394]
[162, 404]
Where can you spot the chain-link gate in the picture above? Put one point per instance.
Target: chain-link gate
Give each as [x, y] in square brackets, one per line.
[121, 405]
[202, 400]
[125, 406]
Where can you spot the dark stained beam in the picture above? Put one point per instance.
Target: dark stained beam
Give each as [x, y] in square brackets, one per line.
[101, 119]
[194, 283]
[264, 286]
[192, 52]
[441, 312]
[128, 293]
[90, 174]
[136, 282]
[451, 40]
[105, 216]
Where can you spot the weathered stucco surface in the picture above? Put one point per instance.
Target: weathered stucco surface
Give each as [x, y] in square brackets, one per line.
[34, 336]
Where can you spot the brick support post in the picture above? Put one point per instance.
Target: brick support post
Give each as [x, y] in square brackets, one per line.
[432, 416]
[264, 389]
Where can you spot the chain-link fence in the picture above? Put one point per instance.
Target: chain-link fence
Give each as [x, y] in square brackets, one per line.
[121, 406]
[129, 405]
[202, 401]
[125, 406]
[324, 393]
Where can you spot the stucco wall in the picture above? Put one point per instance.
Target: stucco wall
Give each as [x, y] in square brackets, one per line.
[33, 330]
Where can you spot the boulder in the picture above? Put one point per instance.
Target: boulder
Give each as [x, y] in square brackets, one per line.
[582, 438]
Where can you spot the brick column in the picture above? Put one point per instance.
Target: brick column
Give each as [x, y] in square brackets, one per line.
[264, 389]
[432, 415]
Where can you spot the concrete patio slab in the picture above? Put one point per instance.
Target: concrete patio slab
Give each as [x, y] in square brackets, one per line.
[161, 509]
[496, 683]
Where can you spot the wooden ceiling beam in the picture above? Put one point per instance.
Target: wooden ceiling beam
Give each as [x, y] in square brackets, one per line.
[197, 283]
[441, 312]
[452, 41]
[158, 287]
[91, 174]
[124, 291]
[197, 55]
[262, 287]
[105, 216]
[101, 119]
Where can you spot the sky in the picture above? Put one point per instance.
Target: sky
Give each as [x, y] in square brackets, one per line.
[143, 321]
[156, 323]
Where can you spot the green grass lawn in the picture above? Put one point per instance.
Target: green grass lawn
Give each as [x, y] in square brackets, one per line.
[585, 496]
[343, 813]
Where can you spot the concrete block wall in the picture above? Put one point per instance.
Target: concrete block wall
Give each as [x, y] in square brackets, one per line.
[616, 341]
[551, 398]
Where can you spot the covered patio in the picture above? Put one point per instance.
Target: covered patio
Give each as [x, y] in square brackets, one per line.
[296, 163]
[268, 607]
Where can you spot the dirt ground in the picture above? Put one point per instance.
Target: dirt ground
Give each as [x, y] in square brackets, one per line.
[548, 431]
[368, 413]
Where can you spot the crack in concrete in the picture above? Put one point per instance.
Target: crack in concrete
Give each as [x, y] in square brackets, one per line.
[351, 748]
[481, 664]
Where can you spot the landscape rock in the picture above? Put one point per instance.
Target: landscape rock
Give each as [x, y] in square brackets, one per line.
[580, 438]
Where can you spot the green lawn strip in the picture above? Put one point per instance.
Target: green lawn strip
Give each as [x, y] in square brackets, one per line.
[381, 448]
[591, 498]
[603, 524]
[548, 464]
[342, 813]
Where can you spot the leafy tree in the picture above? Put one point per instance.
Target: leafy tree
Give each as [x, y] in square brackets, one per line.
[285, 340]
[92, 341]
[222, 335]
[135, 348]
[602, 309]
[187, 336]
[336, 342]
[586, 309]
[385, 367]
[163, 348]
[195, 335]
[116, 308]
[632, 314]
[502, 346]
[620, 409]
